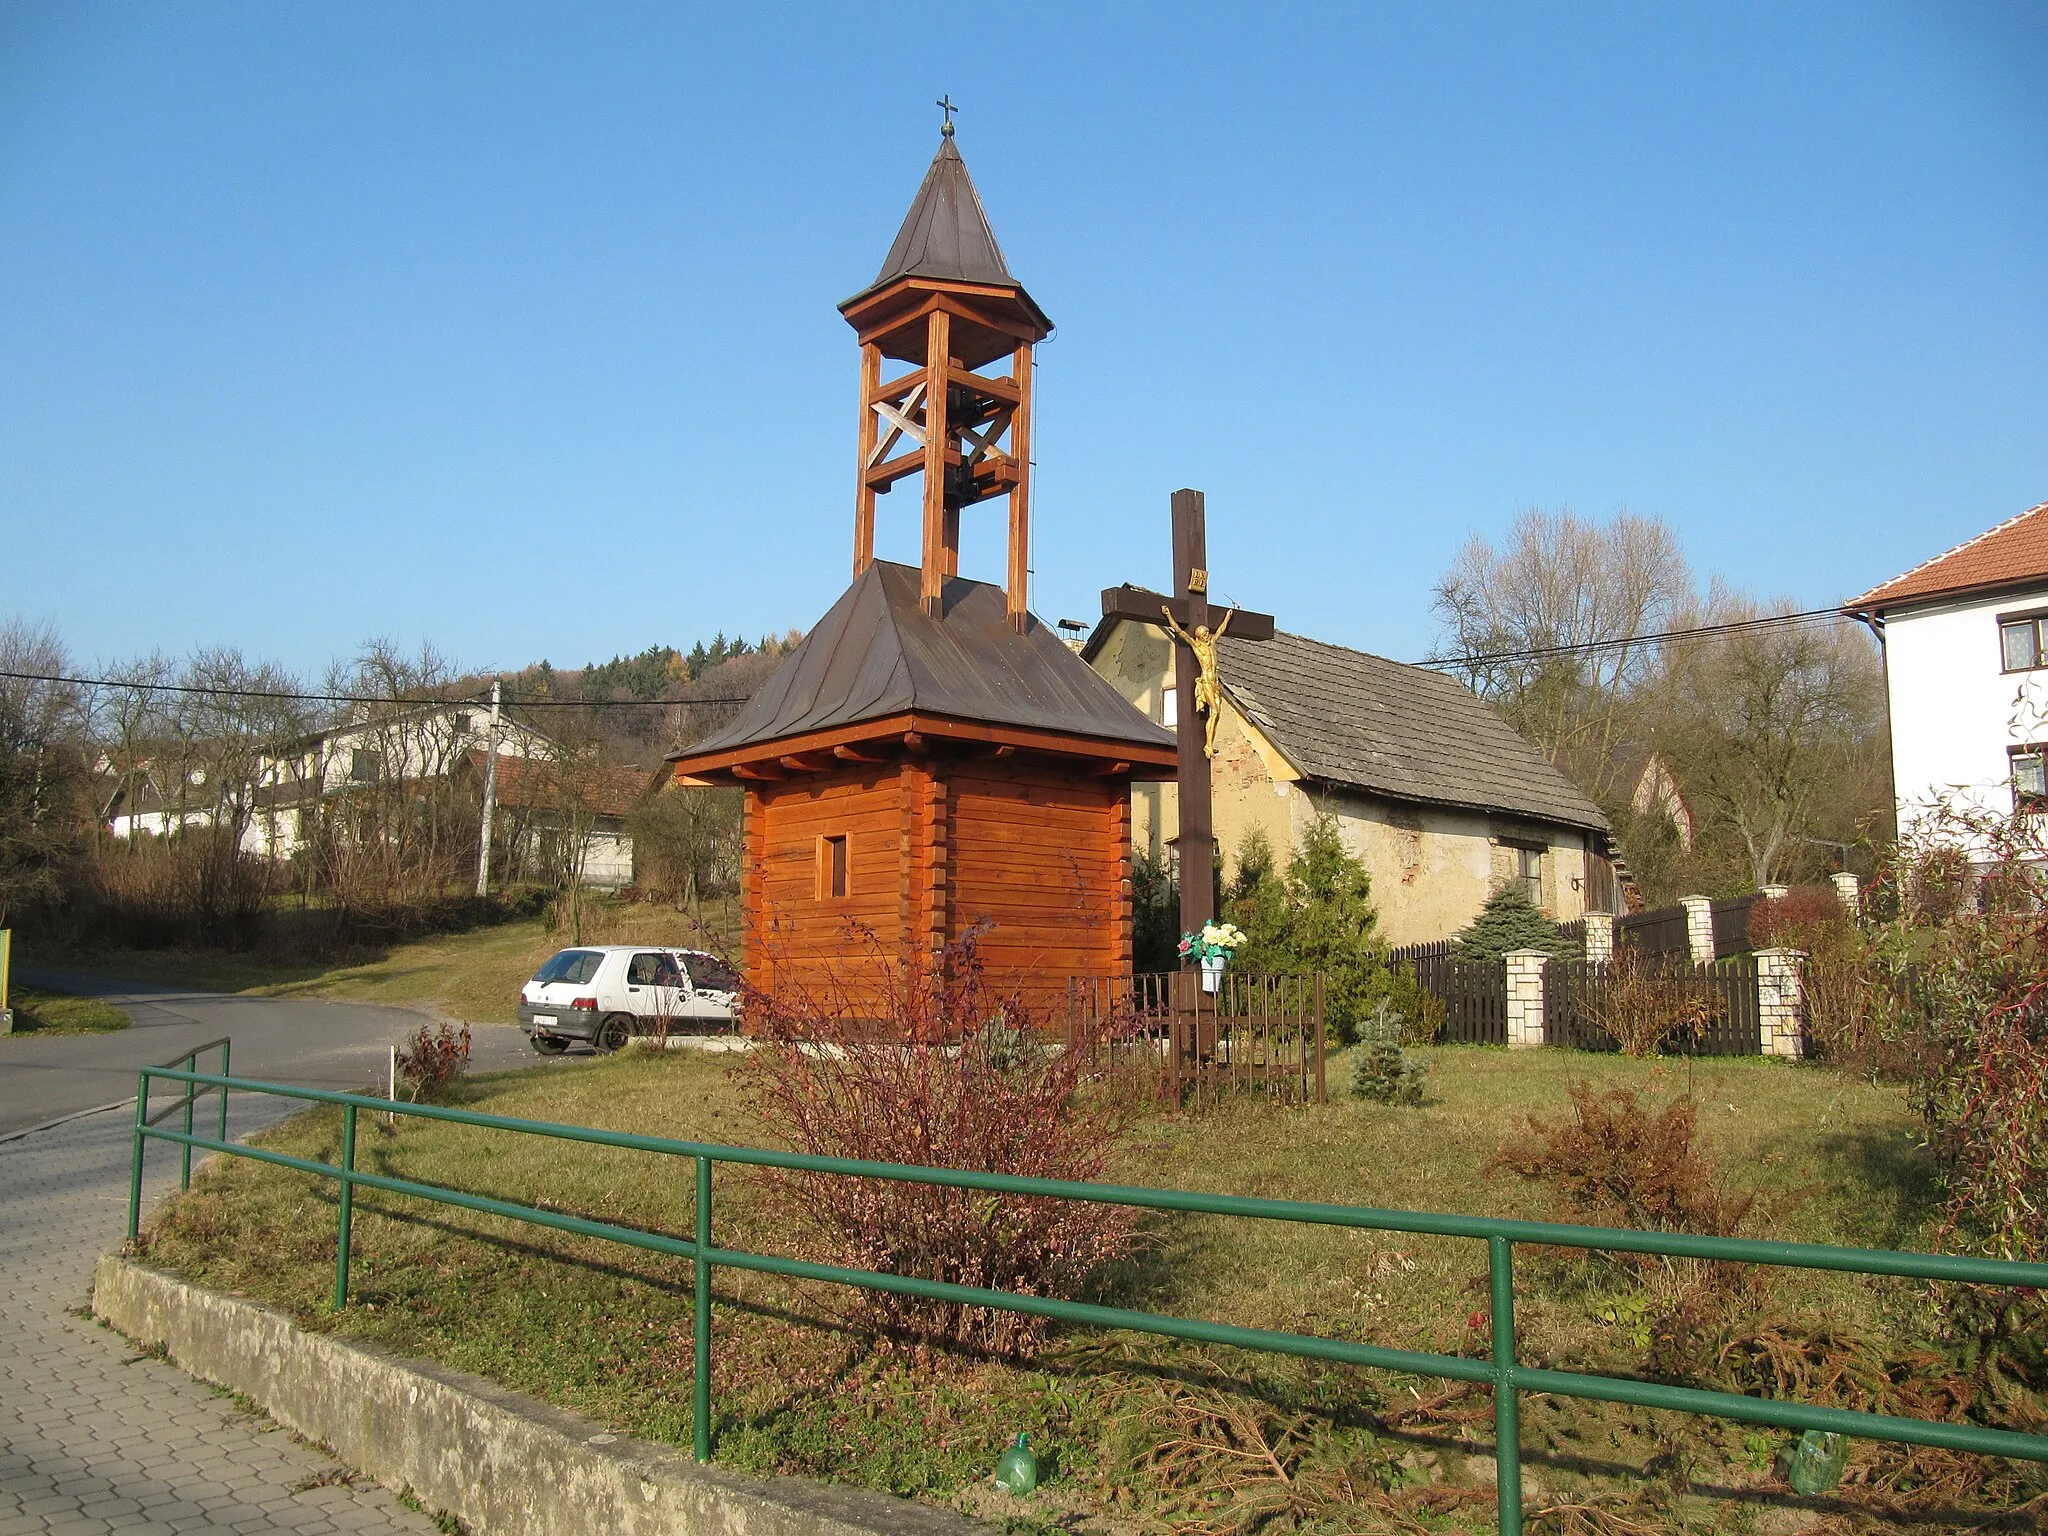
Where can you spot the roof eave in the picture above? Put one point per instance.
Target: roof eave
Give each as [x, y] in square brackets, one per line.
[1872, 603]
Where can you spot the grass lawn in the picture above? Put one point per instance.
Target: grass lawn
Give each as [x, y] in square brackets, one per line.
[474, 975]
[52, 1013]
[1135, 1433]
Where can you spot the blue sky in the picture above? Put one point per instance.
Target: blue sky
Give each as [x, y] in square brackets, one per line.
[513, 326]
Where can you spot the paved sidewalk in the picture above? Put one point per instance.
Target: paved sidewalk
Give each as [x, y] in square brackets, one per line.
[94, 1437]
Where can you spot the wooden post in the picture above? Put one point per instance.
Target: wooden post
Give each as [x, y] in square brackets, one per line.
[1020, 494]
[754, 959]
[1197, 843]
[863, 493]
[938, 437]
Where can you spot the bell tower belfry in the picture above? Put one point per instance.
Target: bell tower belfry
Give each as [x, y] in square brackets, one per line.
[931, 762]
[946, 304]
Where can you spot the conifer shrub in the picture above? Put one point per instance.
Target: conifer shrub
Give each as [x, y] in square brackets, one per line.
[1510, 921]
[1381, 1070]
[1318, 916]
[949, 1075]
[1615, 1162]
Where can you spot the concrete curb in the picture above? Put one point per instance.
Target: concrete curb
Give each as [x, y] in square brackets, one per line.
[505, 1464]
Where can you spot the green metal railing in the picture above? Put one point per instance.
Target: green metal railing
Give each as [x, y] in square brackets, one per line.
[196, 1088]
[1500, 1370]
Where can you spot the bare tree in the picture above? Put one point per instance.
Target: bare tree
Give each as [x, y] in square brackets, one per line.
[41, 767]
[1560, 580]
[1778, 732]
[687, 841]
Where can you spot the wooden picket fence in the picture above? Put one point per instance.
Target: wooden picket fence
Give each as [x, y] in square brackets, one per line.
[1474, 992]
[1575, 993]
[1474, 996]
[1254, 1034]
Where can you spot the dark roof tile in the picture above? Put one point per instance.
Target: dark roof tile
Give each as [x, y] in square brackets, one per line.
[1348, 718]
[877, 654]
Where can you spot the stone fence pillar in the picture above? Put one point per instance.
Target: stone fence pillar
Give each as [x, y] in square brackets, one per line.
[1525, 996]
[1774, 892]
[1781, 1001]
[1850, 890]
[1699, 928]
[1599, 937]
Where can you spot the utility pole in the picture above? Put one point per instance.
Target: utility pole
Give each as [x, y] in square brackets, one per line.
[483, 853]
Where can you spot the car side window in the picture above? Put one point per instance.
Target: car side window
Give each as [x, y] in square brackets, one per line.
[646, 971]
[712, 974]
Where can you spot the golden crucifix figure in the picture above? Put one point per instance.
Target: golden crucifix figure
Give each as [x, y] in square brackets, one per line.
[1208, 687]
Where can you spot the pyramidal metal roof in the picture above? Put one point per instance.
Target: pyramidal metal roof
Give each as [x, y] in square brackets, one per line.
[877, 654]
[946, 233]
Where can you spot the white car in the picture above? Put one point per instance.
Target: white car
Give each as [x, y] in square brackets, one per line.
[607, 993]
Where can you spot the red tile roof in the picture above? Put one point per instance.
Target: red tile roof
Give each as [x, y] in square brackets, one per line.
[2015, 551]
[546, 785]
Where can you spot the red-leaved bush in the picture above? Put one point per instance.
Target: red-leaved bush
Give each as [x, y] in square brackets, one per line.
[434, 1057]
[949, 1076]
[1803, 916]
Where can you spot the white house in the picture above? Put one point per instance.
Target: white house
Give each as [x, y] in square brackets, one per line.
[1966, 671]
[426, 743]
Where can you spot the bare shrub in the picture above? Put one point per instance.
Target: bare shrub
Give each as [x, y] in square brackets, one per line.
[1641, 1005]
[435, 1056]
[949, 1076]
[1615, 1162]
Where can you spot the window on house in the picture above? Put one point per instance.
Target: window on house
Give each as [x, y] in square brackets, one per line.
[2029, 777]
[2020, 641]
[462, 725]
[365, 766]
[831, 867]
[1529, 871]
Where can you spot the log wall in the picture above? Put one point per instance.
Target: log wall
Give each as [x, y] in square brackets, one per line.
[935, 846]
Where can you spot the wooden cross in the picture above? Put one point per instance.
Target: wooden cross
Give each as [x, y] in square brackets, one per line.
[945, 103]
[1189, 607]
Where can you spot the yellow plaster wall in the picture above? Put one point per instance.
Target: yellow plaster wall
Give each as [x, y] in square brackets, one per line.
[1432, 868]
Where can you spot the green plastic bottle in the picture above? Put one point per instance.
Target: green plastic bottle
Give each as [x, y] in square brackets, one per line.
[1017, 1472]
[1818, 1461]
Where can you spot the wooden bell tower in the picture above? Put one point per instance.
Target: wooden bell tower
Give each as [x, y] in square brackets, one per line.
[932, 760]
[946, 304]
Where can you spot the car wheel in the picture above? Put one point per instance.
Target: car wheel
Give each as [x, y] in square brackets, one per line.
[548, 1045]
[613, 1033]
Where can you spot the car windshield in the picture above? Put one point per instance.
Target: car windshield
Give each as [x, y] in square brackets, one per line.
[708, 973]
[571, 965]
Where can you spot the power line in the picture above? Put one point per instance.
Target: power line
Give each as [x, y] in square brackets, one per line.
[1488, 658]
[1584, 647]
[354, 698]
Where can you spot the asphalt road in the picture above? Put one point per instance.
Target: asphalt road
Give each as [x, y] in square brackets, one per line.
[314, 1044]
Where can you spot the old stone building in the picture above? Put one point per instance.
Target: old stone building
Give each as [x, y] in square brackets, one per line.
[1438, 795]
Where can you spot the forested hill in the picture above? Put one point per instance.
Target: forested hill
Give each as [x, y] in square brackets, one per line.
[641, 707]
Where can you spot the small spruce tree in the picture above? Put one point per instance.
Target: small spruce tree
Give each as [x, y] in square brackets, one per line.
[1509, 920]
[1318, 917]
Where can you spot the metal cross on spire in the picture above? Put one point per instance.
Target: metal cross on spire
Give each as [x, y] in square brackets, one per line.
[945, 104]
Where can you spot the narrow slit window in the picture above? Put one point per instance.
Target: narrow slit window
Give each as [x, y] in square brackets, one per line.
[831, 867]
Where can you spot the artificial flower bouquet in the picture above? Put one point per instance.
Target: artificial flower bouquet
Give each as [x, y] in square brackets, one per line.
[1216, 941]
